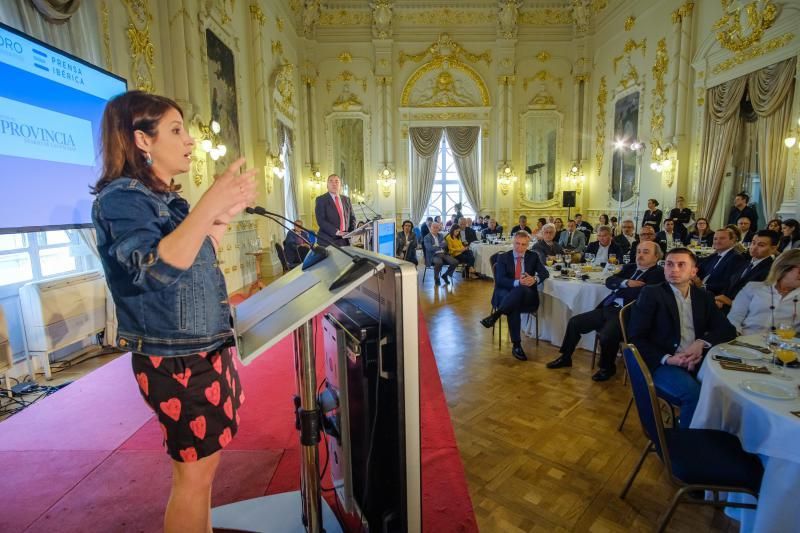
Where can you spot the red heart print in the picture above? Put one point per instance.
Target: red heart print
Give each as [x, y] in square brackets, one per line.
[141, 378]
[217, 364]
[241, 398]
[155, 360]
[171, 408]
[189, 454]
[225, 438]
[202, 354]
[228, 408]
[198, 427]
[212, 393]
[237, 418]
[183, 377]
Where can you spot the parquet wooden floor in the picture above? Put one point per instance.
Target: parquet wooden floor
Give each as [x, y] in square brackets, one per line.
[540, 447]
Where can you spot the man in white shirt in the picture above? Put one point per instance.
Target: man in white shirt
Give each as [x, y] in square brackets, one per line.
[626, 239]
[673, 324]
[667, 238]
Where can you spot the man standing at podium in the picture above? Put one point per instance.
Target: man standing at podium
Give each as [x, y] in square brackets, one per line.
[334, 214]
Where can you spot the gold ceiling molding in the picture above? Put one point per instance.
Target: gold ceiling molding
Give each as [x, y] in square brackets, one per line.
[345, 57]
[277, 48]
[581, 78]
[659, 93]
[753, 52]
[343, 17]
[546, 16]
[446, 116]
[732, 35]
[257, 14]
[630, 46]
[284, 87]
[141, 47]
[543, 75]
[279, 23]
[295, 5]
[600, 129]
[346, 76]
[682, 12]
[445, 48]
[543, 56]
[106, 34]
[446, 16]
[444, 63]
[629, 22]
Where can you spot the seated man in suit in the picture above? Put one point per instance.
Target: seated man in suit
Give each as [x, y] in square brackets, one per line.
[493, 229]
[626, 239]
[605, 318]
[334, 214]
[717, 270]
[583, 226]
[668, 238]
[546, 245]
[603, 247]
[436, 254]
[517, 275]
[745, 226]
[425, 227]
[295, 246]
[572, 239]
[762, 247]
[468, 235]
[646, 234]
[673, 324]
[523, 224]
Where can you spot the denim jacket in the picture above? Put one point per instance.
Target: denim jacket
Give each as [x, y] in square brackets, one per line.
[162, 310]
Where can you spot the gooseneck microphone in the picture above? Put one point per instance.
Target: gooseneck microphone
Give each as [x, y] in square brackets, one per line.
[315, 254]
[377, 215]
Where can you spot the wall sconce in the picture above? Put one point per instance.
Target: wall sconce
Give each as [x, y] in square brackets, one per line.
[210, 141]
[791, 139]
[661, 159]
[506, 178]
[575, 178]
[316, 181]
[386, 180]
[358, 196]
[276, 166]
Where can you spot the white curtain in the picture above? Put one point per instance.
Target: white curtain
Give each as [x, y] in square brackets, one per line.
[425, 145]
[464, 143]
[89, 237]
[286, 142]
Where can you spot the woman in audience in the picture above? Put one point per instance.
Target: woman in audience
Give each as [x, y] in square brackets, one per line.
[614, 226]
[407, 242]
[160, 264]
[761, 306]
[775, 225]
[653, 215]
[559, 225]
[790, 229]
[457, 249]
[603, 221]
[701, 235]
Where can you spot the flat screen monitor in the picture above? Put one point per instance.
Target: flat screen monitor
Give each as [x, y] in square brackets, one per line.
[51, 105]
[383, 231]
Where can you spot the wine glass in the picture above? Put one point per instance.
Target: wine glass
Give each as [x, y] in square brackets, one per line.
[612, 258]
[785, 353]
[549, 261]
[567, 260]
[589, 258]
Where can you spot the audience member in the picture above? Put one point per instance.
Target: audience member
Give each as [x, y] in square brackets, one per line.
[790, 230]
[493, 229]
[701, 235]
[559, 224]
[523, 225]
[674, 349]
[572, 239]
[646, 234]
[295, 247]
[614, 226]
[625, 240]
[603, 248]
[425, 228]
[762, 306]
[458, 250]
[407, 243]
[741, 208]
[468, 235]
[485, 222]
[681, 215]
[625, 287]
[436, 254]
[763, 246]
[745, 226]
[668, 238]
[603, 220]
[583, 227]
[775, 225]
[653, 215]
[717, 269]
[516, 276]
[547, 245]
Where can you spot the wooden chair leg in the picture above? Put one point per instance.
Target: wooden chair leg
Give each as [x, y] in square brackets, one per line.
[665, 518]
[536, 317]
[594, 349]
[625, 416]
[647, 449]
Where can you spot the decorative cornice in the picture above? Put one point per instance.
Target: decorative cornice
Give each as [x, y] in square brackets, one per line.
[446, 16]
[682, 12]
[753, 52]
[344, 17]
[760, 16]
[257, 14]
[543, 75]
[445, 48]
[346, 76]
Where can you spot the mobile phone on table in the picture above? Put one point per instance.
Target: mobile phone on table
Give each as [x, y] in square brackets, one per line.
[727, 358]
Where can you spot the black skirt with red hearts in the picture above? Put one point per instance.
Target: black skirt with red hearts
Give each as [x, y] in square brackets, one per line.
[195, 397]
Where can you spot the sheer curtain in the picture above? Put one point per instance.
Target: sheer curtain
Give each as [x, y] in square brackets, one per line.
[463, 142]
[425, 145]
[89, 237]
[286, 142]
[771, 90]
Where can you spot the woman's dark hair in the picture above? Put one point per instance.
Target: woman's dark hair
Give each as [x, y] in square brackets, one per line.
[708, 226]
[655, 202]
[613, 219]
[124, 114]
[453, 229]
[604, 218]
[542, 221]
[407, 222]
[558, 219]
[775, 220]
[792, 223]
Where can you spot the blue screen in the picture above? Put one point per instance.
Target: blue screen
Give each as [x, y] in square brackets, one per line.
[386, 238]
[51, 105]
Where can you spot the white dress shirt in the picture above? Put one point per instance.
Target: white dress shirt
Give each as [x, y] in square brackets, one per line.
[751, 313]
[686, 318]
[602, 254]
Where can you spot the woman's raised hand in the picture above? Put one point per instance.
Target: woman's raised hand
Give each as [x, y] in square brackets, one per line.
[230, 193]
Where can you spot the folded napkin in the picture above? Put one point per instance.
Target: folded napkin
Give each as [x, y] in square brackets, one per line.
[742, 367]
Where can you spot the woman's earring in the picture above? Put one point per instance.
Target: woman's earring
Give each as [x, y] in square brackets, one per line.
[147, 159]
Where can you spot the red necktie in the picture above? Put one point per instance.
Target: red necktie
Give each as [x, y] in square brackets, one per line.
[341, 213]
[518, 269]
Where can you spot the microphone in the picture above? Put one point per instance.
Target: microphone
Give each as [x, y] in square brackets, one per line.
[315, 254]
[359, 266]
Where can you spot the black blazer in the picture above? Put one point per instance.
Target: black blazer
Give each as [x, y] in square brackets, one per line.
[652, 276]
[622, 243]
[505, 269]
[737, 282]
[471, 235]
[654, 218]
[655, 326]
[705, 240]
[681, 218]
[592, 248]
[328, 218]
[748, 212]
[543, 250]
[722, 274]
[401, 242]
[517, 228]
[424, 229]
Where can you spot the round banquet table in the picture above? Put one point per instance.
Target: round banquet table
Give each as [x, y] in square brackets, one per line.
[560, 300]
[482, 253]
[765, 427]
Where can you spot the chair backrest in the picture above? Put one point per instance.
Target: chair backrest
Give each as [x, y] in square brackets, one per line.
[647, 406]
[282, 257]
[623, 320]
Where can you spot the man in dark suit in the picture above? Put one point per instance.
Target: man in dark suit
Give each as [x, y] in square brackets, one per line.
[295, 246]
[603, 247]
[673, 324]
[647, 233]
[668, 237]
[572, 239]
[626, 239]
[468, 235]
[745, 226]
[523, 224]
[762, 247]
[742, 209]
[425, 227]
[583, 226]
[493, 229]
[516, 278]
[717, 270]
[334, 214]
[604, 319]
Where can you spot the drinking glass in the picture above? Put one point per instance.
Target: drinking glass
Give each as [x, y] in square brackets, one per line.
[612, 258]
[549, 261]
[589, 258]
[785, 331]
[785, 353]
[567, 259]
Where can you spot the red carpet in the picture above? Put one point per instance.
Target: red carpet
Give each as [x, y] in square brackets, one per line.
[66, 468]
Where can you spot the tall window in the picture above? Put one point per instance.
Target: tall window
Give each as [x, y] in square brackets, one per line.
[447, 189]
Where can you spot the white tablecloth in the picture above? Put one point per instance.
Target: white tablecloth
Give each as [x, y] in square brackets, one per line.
[560, 300]
[483, 252]
[765, 427]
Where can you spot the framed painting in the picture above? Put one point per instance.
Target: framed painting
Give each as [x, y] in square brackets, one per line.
[223, 97]
[626, 129]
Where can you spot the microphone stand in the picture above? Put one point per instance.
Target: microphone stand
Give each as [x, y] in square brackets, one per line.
[315, 254]
[377, 215]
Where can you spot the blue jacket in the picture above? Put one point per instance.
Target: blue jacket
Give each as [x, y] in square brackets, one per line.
[162, 310]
